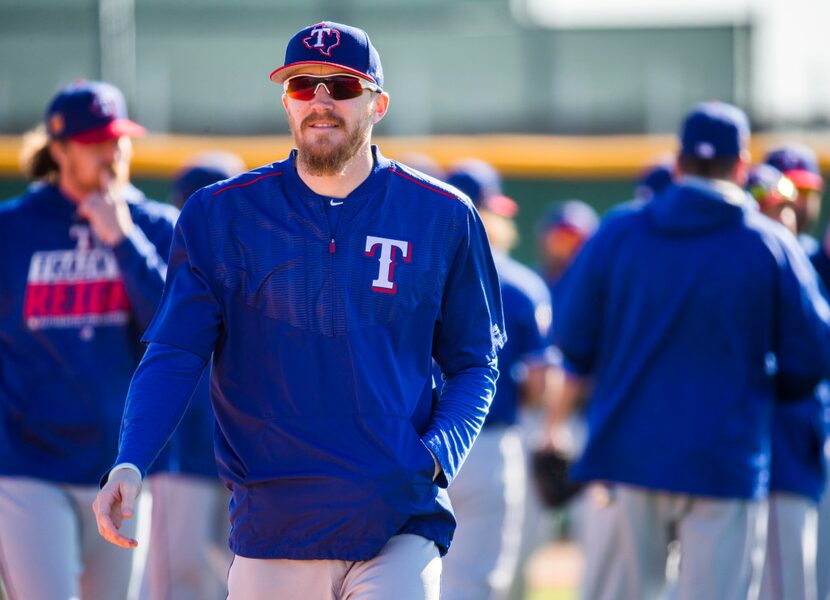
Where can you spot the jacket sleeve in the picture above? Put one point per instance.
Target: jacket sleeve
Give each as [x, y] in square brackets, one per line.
[189, 315]
[803, 325]
[468, 335]
[157, 399]
[142, 260]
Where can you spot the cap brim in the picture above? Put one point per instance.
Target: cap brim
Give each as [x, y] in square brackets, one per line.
[313, 67]
[501, 205]
[805, 180]
[113, 130]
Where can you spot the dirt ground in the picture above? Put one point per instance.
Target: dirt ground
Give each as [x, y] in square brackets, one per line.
[554, 572]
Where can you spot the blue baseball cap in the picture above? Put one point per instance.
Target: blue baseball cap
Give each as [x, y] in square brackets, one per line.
[653, 180]
[575, 215]
[477, 179]
[714, 130]
[90, 112]
[799, 163]
[328, 44]
[190, 179]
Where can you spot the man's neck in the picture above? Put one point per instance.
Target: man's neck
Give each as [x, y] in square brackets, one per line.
[344, 183]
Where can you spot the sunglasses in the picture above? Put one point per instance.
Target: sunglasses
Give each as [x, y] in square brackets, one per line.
[339, 87]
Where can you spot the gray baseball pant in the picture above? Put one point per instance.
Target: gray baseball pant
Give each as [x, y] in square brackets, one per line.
[626, 531]
[790, 561]
[407, 568]
[488, 500]
[189, 531]
[49, 544]
[823, 549]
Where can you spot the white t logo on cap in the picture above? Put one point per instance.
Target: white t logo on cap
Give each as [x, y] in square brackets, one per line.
[322, 38]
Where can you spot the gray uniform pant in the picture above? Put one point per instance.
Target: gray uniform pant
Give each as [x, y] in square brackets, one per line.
[49, 544]
[188, 556]
[408, 567]
[626, 531]
[823, 550]
[488, 500]
[790, 562]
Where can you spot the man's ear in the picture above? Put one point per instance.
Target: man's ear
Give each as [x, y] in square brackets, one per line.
[381, 106]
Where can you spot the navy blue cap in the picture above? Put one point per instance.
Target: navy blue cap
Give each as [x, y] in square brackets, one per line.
[799, 163]
[189, 180]
[571, 214]
[90, 112]
[714, 130]
[654, 180]
[476, 178]
[328, 44]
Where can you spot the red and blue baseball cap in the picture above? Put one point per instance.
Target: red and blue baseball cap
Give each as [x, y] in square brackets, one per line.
[769, 186]
[573, 214]
[90, 112]
[328, 44]
[714, 130]
[799, 164]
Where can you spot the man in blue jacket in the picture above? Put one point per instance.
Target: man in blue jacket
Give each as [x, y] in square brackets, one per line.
[83, 257]
[691, 314]
[322, 286]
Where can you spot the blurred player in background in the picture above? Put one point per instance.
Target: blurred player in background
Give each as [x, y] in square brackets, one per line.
[775, 194]
[319, 287]
[797, 469]
[488, 496]
[187, 557]
[653, 180]
[800, 165]
[821, 261]
[654, 313]
[560, 234]
[82, 265]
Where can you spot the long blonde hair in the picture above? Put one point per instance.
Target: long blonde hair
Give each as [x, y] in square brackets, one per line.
[36, 160]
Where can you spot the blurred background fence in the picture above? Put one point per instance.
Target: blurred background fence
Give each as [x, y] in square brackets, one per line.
[567, 98]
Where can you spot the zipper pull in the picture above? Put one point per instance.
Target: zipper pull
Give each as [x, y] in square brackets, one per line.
[331, 246]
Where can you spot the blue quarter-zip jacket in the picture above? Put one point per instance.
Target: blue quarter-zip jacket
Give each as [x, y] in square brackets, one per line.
[322, 340]
[693, 313]
[71, 315]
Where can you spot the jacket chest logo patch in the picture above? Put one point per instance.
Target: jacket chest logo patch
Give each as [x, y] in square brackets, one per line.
[388, 255]
[78, 288]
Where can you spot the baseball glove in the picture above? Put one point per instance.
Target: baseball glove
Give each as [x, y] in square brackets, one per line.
[550, 472]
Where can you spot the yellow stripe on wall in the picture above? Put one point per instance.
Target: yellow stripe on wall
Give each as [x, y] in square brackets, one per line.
[521, 156]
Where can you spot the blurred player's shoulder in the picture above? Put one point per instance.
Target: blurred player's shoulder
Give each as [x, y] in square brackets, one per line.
[146, 209]
[249, 181]
[529, 282]
[438, 188]
[12, 206]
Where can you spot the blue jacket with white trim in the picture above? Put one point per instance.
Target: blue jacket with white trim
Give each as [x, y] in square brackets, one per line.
[694, 313]
[322, 342]
[71, 316]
